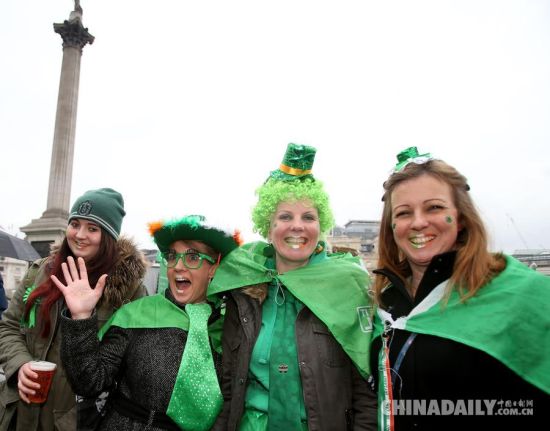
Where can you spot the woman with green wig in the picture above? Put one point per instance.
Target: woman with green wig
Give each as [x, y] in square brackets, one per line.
[297, 330]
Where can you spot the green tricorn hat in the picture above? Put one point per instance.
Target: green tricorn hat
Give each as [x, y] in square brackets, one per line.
[194, 228]
[297, 163]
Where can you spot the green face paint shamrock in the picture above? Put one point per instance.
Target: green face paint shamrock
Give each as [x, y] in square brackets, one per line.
[449, 219]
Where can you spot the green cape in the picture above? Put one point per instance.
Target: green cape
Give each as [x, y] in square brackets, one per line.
[335, 290]
[507, 319]
[157, 312]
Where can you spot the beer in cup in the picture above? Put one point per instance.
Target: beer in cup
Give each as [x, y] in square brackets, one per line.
[45, 371]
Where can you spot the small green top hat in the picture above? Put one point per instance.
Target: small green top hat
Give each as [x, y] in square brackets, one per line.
[297, 163]
[194, 227]
[410, 155]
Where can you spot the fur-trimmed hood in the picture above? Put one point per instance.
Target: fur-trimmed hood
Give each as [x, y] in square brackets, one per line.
[127, 274]
[125, 277]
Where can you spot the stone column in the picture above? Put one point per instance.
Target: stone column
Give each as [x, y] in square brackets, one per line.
[51, 226]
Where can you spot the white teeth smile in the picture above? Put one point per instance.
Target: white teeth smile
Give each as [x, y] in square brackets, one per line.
[295, 242]
[181, 280]
[420, 241]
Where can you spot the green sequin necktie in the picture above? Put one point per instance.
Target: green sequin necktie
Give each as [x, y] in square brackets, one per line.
[196, 399]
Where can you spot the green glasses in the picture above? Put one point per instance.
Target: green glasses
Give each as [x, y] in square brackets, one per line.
[190, 259]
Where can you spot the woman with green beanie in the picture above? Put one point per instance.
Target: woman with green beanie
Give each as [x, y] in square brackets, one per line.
[29, 329]
[296, 332]
[160, 353]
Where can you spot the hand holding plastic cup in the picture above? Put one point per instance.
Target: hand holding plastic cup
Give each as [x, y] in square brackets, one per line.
[45, 371]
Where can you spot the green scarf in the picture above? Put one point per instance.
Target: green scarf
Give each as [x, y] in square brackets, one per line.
[507, 319]
[157, 312]
[335, 290]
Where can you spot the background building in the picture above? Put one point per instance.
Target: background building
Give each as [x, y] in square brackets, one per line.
[13, 271]
[359, 237]
[151, 279]
[537, 259]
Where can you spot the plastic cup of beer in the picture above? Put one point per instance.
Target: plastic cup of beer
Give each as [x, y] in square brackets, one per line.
[45, 371]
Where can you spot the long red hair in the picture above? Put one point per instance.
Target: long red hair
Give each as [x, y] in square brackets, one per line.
[47, 294]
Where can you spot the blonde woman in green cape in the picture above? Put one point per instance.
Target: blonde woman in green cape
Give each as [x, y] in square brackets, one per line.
[158, 356]
[296, 331]
[462, 334]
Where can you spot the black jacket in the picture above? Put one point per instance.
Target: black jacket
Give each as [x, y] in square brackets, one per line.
[336, 397]
[138, 366]
[435, 368]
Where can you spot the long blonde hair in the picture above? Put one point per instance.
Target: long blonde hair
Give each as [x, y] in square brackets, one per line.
[474, 265]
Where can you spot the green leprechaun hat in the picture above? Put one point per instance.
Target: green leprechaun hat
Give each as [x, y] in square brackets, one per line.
[194, 227]
[297, 163]
[410, 155]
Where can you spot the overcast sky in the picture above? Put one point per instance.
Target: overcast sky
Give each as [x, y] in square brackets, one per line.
[185, 106]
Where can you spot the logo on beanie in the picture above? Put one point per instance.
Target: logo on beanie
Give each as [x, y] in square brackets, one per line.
[85, 208]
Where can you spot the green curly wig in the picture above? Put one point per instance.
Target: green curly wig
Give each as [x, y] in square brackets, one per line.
[273, 192]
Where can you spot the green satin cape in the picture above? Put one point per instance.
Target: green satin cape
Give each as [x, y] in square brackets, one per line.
[335, 290]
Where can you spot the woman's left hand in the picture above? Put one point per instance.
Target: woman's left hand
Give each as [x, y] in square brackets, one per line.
[81, 299]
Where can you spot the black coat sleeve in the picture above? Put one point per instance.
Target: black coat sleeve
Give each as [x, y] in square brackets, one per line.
[365, 403]
[91, 365]
[230, 331]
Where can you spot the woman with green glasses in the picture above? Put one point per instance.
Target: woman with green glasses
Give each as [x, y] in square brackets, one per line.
[159, 356]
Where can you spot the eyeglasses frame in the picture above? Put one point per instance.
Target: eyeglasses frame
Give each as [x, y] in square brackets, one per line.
[181, 256]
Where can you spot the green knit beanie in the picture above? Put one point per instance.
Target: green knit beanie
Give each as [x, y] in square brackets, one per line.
[102, 206]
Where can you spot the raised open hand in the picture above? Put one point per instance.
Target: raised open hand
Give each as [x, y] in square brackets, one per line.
[81, 299]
